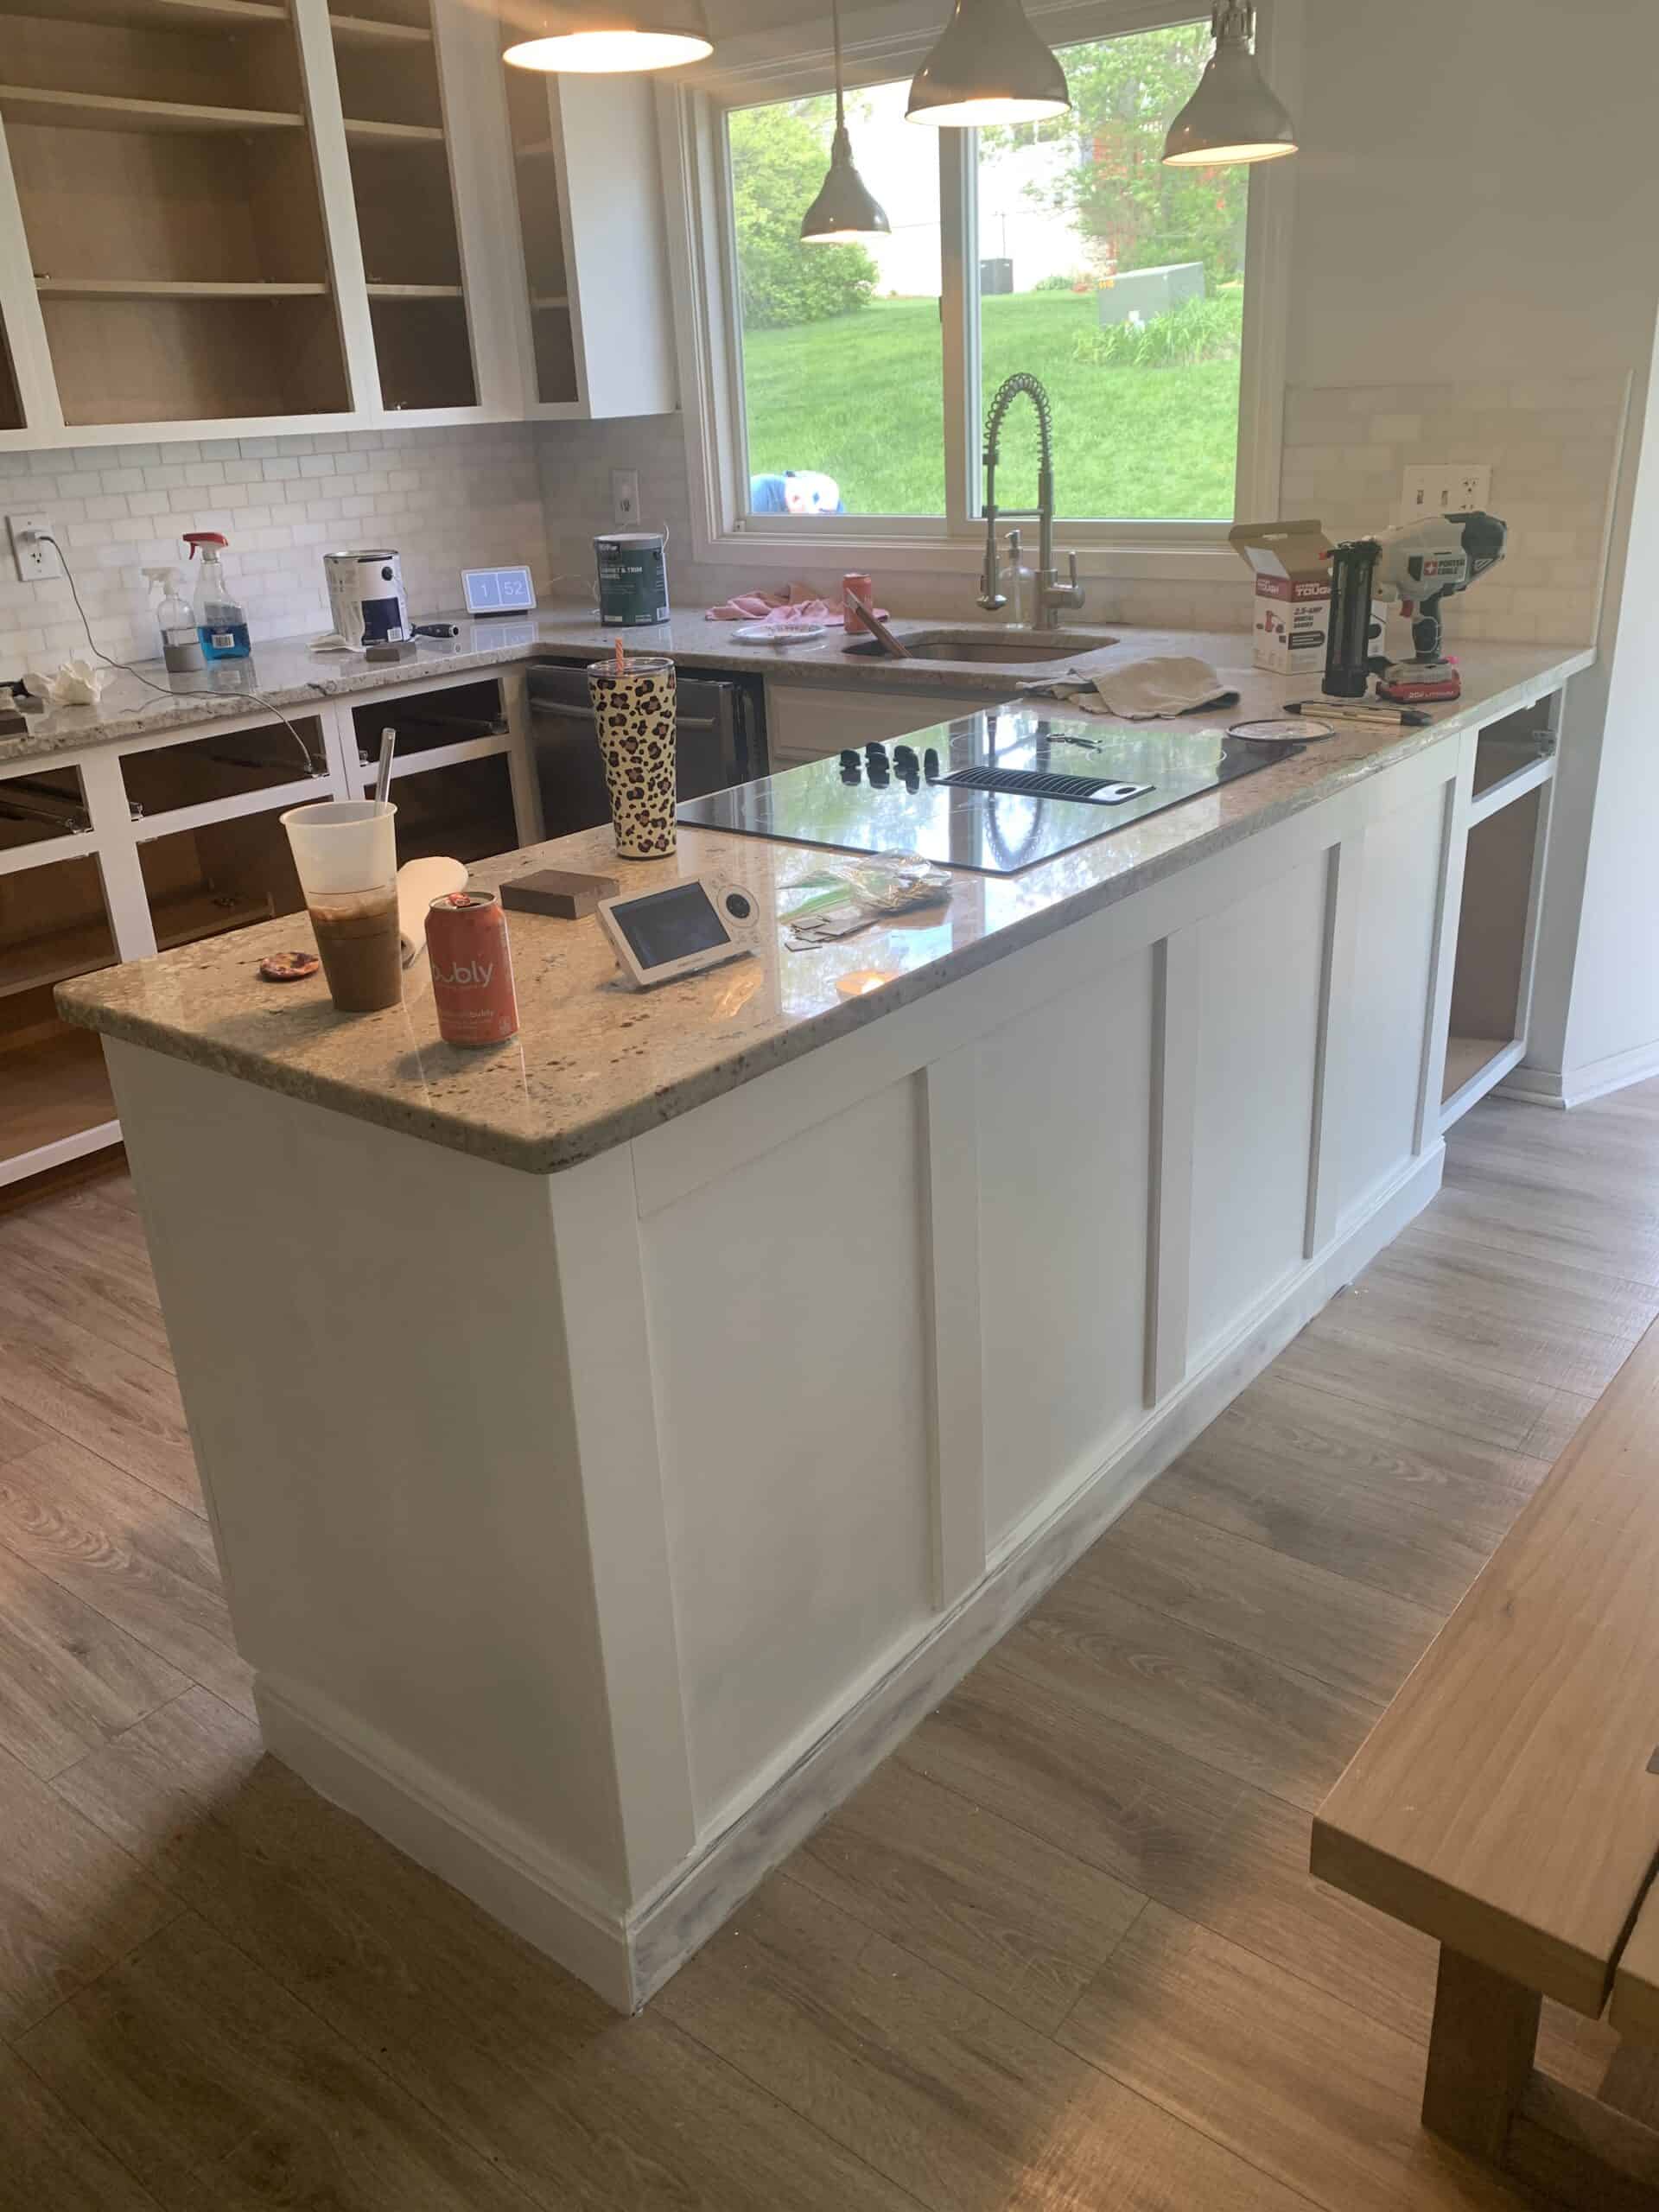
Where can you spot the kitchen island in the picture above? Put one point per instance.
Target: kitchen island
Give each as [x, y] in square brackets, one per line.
[615, 1443]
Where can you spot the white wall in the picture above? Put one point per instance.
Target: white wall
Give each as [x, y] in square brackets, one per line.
[1478, 197]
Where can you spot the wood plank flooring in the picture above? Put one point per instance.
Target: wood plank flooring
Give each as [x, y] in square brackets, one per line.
[1061, 1951]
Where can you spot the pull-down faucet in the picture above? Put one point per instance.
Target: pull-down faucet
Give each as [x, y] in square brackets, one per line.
[1051, 595]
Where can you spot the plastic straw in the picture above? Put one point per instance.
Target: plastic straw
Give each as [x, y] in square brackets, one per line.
[621, 667]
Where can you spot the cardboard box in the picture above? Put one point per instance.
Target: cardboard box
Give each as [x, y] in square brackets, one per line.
[1291, 565]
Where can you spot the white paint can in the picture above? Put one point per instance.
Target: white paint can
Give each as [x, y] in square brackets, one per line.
[366, 597]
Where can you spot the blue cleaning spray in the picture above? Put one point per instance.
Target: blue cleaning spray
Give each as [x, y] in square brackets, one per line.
[221, 620]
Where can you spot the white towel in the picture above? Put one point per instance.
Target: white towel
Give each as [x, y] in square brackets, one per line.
[1164, 683]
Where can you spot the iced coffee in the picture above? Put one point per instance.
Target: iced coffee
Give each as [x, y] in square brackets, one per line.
[346, 853]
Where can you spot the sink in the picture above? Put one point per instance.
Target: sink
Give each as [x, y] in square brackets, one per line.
[1001, 648]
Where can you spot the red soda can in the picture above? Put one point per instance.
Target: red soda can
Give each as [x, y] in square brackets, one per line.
[855, 588]
[472, 969]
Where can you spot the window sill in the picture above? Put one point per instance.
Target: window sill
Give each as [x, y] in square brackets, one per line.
[1125, 560]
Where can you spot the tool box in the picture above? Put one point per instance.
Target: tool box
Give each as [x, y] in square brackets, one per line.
[1291, 565]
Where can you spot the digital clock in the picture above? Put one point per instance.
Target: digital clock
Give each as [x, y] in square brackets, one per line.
[498, 591]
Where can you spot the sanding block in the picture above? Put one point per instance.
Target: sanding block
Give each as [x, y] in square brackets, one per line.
[566, 895]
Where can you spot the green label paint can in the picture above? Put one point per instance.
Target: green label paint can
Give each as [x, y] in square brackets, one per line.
[632, 578]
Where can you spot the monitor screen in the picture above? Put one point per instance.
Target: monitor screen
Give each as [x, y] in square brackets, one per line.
[666, 925]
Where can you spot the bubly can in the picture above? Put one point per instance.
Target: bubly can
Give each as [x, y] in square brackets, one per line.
[472, 969]
[852, 588]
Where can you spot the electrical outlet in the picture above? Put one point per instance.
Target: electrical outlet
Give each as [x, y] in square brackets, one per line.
[625, 498]
[37, 562]
[1445, 488]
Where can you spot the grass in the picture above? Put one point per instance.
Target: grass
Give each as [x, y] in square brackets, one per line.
[860, 396]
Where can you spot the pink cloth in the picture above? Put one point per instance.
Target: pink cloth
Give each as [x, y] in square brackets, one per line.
[794, 604]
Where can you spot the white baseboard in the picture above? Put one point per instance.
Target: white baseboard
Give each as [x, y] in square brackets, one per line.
[500, 1865]
[626, 1956]
[1578, 1086]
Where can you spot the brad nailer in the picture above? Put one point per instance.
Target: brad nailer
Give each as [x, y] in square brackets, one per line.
[1419, 563]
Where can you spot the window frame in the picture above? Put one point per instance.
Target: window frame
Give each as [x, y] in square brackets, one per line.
[768, 66]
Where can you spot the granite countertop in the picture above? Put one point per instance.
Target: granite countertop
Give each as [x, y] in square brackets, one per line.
[287, 674]
[596, 1064]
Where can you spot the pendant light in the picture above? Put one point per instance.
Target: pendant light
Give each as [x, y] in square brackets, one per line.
[988, 67]
[845, 209]
[605, 37]
[1234, 115]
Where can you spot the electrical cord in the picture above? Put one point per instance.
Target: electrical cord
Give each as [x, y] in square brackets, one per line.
[166, 691]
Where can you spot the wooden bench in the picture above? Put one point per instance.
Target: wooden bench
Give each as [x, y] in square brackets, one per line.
[1508, 1804]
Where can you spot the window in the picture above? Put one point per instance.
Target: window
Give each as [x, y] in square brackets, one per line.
[1064, 248]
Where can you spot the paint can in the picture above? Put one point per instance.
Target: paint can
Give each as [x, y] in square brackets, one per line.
[472, 969]
[366, 597]
[632, 578]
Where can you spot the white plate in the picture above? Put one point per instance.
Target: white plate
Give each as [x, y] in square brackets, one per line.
[785, 633]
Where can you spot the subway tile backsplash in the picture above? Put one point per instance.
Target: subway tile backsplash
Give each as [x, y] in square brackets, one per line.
[537, 493]
[444, 497]
[1553, 446]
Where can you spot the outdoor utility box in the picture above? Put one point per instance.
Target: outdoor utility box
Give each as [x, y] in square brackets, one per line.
[996, 276]
[1149, 292]
[1291, 565]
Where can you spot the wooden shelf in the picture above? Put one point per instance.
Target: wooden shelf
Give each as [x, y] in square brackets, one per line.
[102, 111]
[415, 292]
[539, 149]
[367, 30]
[54, 956]
[187, 919]
[538, 300]
[1464, 1058]
[167, 288]
[362, 132]
[157, 14]
[53, 1090]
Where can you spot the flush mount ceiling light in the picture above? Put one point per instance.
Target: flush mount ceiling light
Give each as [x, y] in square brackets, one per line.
[1234, 115]
[605, 37]
[988, 67]
[845, 209]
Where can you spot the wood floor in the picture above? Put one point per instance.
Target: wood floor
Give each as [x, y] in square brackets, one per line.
[1061, 1952]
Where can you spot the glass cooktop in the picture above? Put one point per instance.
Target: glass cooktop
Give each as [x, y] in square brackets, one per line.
[997, 791]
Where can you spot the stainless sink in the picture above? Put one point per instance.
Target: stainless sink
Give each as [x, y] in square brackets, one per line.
[1001, 648]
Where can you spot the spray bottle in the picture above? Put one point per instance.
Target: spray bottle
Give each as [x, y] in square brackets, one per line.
[221, 620]
[181, 646]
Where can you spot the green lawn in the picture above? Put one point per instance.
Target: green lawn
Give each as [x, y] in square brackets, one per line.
[859, 396]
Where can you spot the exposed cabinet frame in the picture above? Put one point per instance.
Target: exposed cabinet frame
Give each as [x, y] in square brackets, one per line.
[117, 836]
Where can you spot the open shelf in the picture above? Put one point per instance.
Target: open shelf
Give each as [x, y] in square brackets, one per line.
[1492, 973]
[155, 14]
[108, 111]
[367, 130]
[367, 31]
[54, 1088]
[415, 292]
[541, 232]
[169, 197]
[169, 287]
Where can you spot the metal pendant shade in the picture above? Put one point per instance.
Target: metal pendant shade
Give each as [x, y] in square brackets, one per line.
[988, 67]
[845, 209]
[604, 37]
[1234, 116]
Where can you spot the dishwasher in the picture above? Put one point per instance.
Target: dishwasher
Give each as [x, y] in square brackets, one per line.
[722, 740]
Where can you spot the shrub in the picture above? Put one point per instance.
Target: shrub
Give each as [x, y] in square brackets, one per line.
[1198, 330]
[779, 158]
[1056, 283]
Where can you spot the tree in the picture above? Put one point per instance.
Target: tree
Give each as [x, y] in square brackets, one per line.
[1131, 211]
[780, 155]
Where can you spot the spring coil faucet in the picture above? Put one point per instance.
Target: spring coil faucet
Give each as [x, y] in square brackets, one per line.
[1051, 595]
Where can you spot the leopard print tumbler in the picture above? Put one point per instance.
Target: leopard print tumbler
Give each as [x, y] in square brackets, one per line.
[635, 711]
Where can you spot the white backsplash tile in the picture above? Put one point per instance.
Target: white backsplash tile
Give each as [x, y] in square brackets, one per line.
[1553, 446]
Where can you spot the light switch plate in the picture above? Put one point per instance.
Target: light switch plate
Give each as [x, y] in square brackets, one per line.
[625, 498]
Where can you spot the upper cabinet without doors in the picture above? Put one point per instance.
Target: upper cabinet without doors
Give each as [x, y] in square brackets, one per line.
[225, 214]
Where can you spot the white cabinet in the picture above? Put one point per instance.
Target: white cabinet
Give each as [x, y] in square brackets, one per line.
[806, 721]
[123, 851]
[266, 215]
[588, 293]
